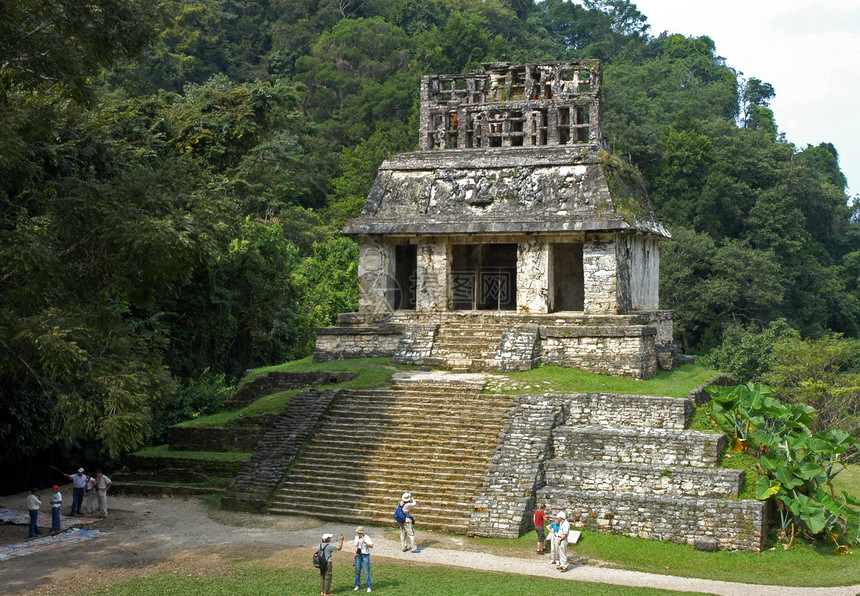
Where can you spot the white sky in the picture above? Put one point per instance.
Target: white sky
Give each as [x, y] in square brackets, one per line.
[809, 50]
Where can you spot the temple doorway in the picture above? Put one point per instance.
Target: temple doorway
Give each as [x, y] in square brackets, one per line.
[568, 279]
[484, 276]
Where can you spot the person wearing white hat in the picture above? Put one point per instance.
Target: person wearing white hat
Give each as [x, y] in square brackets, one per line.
[407, 526]
[79, 482]
[361, 554]
[325, 574]
[561, 538]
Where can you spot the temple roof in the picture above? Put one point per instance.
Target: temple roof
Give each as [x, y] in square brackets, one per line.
[518, 190]
[511, 149]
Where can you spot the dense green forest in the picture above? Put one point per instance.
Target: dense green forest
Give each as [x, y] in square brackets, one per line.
[174, 174]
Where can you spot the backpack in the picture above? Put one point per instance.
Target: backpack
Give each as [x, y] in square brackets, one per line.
[399, 514]
[319, 558]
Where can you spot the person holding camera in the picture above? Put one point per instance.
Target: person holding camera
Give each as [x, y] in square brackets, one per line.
[361, 552]
[407, 526]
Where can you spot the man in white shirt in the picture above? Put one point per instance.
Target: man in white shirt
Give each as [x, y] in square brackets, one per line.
[102, 485]
[79, 483]
[561, 537]
[361, 551]
[56, 503]
[34, 502]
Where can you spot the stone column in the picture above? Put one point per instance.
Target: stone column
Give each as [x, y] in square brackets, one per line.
[375, 276]
[433, 269]
[600, 275]
[533, 276]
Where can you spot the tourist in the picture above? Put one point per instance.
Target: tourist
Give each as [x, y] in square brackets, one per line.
[361, 555]
[102, 485]
[34, 502]
[325, 574]
[91, 501]
[561, 539]
[56, 503]
[540, 523]
[553, 542]
[79, 483]
[407, 527]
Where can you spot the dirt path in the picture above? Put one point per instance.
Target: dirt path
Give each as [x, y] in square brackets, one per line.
[152, 535]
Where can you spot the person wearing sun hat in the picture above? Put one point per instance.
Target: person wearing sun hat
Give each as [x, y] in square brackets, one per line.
[325, 574]
[407, 527]
[361, 555]
[562, 534]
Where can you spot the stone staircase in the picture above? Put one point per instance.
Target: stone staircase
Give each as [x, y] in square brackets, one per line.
[435, 439]
[465, 346]
[253, 486]
[638, 472]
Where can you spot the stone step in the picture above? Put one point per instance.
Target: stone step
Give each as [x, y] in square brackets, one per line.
[390, 431]
[734, 524]
[648, 446]
[439, 505]
[393, 477]
[380, 479]
[644, 478]
[405, 454]
[380, 404]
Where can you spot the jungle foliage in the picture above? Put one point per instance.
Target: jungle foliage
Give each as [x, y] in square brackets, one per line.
[800, 464]
[173, 174]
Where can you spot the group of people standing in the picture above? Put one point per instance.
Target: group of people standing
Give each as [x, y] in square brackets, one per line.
[89, 494]
[559, 532]
[361, 546]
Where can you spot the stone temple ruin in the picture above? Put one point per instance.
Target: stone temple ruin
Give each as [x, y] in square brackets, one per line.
[512, 237]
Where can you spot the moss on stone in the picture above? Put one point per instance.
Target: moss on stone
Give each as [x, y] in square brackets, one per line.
[626, 187]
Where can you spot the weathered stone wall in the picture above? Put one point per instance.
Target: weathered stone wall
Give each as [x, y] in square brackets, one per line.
[533, 280]
[641, 411]
[685, 481]
[736, 525]
[338, 343]
[502, 506]
[416, 344]
[205, 438]
[650, 446]
[638, 260]
[181, 469]
[519, 349]
[621, 351]
[600, 272]
[700, 396]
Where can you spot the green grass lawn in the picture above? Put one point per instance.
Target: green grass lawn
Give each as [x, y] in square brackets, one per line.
[555, 379]
[389, 579]
[372, 372]
[164, 451]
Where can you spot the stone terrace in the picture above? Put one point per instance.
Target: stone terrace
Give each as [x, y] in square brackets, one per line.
[638, 472]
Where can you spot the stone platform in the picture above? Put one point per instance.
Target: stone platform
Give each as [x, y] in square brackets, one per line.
[633, 345]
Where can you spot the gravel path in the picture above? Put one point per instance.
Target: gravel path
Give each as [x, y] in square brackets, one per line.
[149, 535]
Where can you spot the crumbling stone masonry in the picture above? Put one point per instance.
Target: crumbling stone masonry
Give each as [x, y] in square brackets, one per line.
[512, 213]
